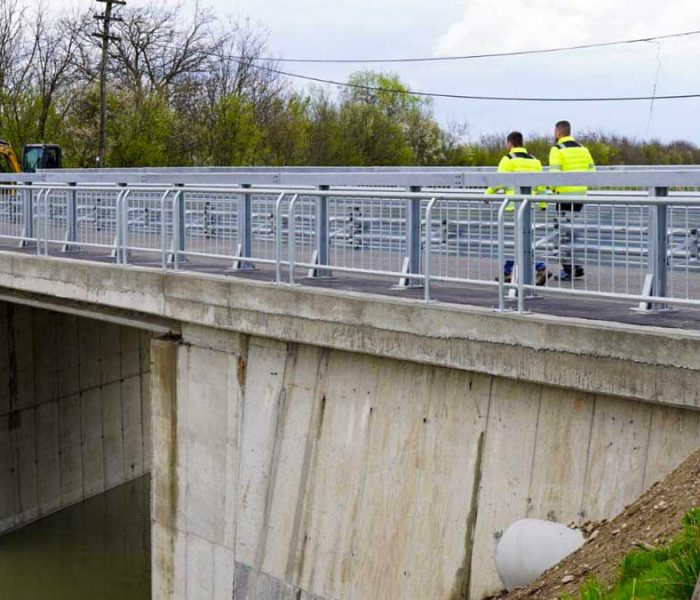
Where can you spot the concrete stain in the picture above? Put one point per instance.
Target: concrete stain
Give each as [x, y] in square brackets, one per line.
[164, 377]
[11, 355]
[462, 585]
[242, 371]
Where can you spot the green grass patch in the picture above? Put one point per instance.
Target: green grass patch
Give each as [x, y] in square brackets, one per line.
[666, 573]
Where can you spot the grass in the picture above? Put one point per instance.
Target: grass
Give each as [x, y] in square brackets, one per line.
[666, 573]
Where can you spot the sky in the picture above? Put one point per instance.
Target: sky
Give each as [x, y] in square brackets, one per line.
[409, 28]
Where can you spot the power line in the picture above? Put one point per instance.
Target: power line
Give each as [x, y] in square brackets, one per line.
[455, 96]
[475, 56]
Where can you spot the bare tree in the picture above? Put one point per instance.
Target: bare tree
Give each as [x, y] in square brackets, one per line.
[155, 53]
[52, 67]
[11, 22]
[238, 69]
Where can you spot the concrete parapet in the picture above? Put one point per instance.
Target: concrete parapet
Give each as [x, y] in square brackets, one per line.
[646, 363]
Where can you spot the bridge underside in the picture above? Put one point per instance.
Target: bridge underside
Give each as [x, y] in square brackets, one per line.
[74, 410]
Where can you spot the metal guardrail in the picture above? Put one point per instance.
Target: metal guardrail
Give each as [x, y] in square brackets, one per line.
[636, 241]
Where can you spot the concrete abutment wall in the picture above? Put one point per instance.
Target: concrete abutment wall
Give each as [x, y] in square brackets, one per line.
[290, 471]
[74, 410]
[325, 444]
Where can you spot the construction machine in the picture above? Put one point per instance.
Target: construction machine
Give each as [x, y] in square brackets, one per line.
[8, 159]
[35, 156]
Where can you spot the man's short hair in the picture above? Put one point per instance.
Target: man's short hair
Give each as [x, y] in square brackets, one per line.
[563, 127]
[515, 138]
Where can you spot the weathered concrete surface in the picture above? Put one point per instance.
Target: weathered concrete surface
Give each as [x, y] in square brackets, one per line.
[304, 472]
[327, 444]
[658, 365]
[73, 410]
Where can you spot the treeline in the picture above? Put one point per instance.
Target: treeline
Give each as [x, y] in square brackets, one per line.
[188, 89]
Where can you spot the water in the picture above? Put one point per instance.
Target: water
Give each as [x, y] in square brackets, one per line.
[98, 549]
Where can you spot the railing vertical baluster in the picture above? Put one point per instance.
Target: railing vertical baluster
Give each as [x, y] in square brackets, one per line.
[245, 229]
[71, 220]
[658, 246]
[524, 250]
[179, 225]
[27, 216]
[163, 231]
[501, 224]
[413, 222]
[278, 237]
[526, 270]
[38, 198]
[291, 237]
[178, 228]
[125, 226]
[321, 236]
[427, 251]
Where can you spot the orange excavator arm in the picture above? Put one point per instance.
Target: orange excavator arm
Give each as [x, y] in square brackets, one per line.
[8, 159]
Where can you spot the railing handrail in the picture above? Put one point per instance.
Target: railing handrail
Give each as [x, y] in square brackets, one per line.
[671, 176]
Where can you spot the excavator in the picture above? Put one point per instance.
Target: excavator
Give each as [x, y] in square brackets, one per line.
[35, 156]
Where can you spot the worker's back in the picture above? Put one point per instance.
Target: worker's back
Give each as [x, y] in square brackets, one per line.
[518, 160]
[569, 156]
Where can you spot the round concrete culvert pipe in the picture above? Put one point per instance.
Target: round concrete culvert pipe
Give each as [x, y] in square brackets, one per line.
[530, 546]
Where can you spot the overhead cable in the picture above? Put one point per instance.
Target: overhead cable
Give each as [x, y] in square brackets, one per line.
[476, 56]
[404, 92]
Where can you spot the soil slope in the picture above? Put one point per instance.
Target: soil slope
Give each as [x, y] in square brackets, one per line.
[650, 521]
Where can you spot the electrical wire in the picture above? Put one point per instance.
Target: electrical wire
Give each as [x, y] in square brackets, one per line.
[372, 88]
[474, 56]
[656, 83]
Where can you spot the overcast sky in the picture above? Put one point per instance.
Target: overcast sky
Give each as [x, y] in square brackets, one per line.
[408, 28]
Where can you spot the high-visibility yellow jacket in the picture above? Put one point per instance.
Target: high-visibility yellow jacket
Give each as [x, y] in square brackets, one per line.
[518, 160]
[568, 156]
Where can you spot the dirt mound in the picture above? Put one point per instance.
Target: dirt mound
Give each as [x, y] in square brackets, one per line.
[650, 521]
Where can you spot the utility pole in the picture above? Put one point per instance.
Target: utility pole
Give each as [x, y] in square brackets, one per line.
[105, 36]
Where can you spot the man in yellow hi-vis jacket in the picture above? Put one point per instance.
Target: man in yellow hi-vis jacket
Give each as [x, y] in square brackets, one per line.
[568, 156]
[519, 160]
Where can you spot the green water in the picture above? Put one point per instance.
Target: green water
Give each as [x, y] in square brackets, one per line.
[98, 549]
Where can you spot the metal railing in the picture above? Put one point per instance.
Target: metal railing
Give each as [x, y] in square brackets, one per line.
[635, 237]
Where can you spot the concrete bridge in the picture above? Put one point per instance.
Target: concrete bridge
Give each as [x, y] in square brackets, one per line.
[314, 443]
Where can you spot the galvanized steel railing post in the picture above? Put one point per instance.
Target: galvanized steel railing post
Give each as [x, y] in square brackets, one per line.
[121, 224]
[124, 219]
[413, 223]
[278, 237]
[502, 254]
[321, 235]
[245, 229]
[178, 229]
[163, 231]
[47, 217]
[179, 224]
[292, 229]
[71, 220]
[658, 246]
[526, 271]
[39, 200]
[428, 253]
[27, 216]
[523, 257]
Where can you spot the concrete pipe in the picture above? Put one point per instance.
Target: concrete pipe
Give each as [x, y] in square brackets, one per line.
[530, 546]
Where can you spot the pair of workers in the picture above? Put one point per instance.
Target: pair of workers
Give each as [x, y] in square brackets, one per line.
[568, 156]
